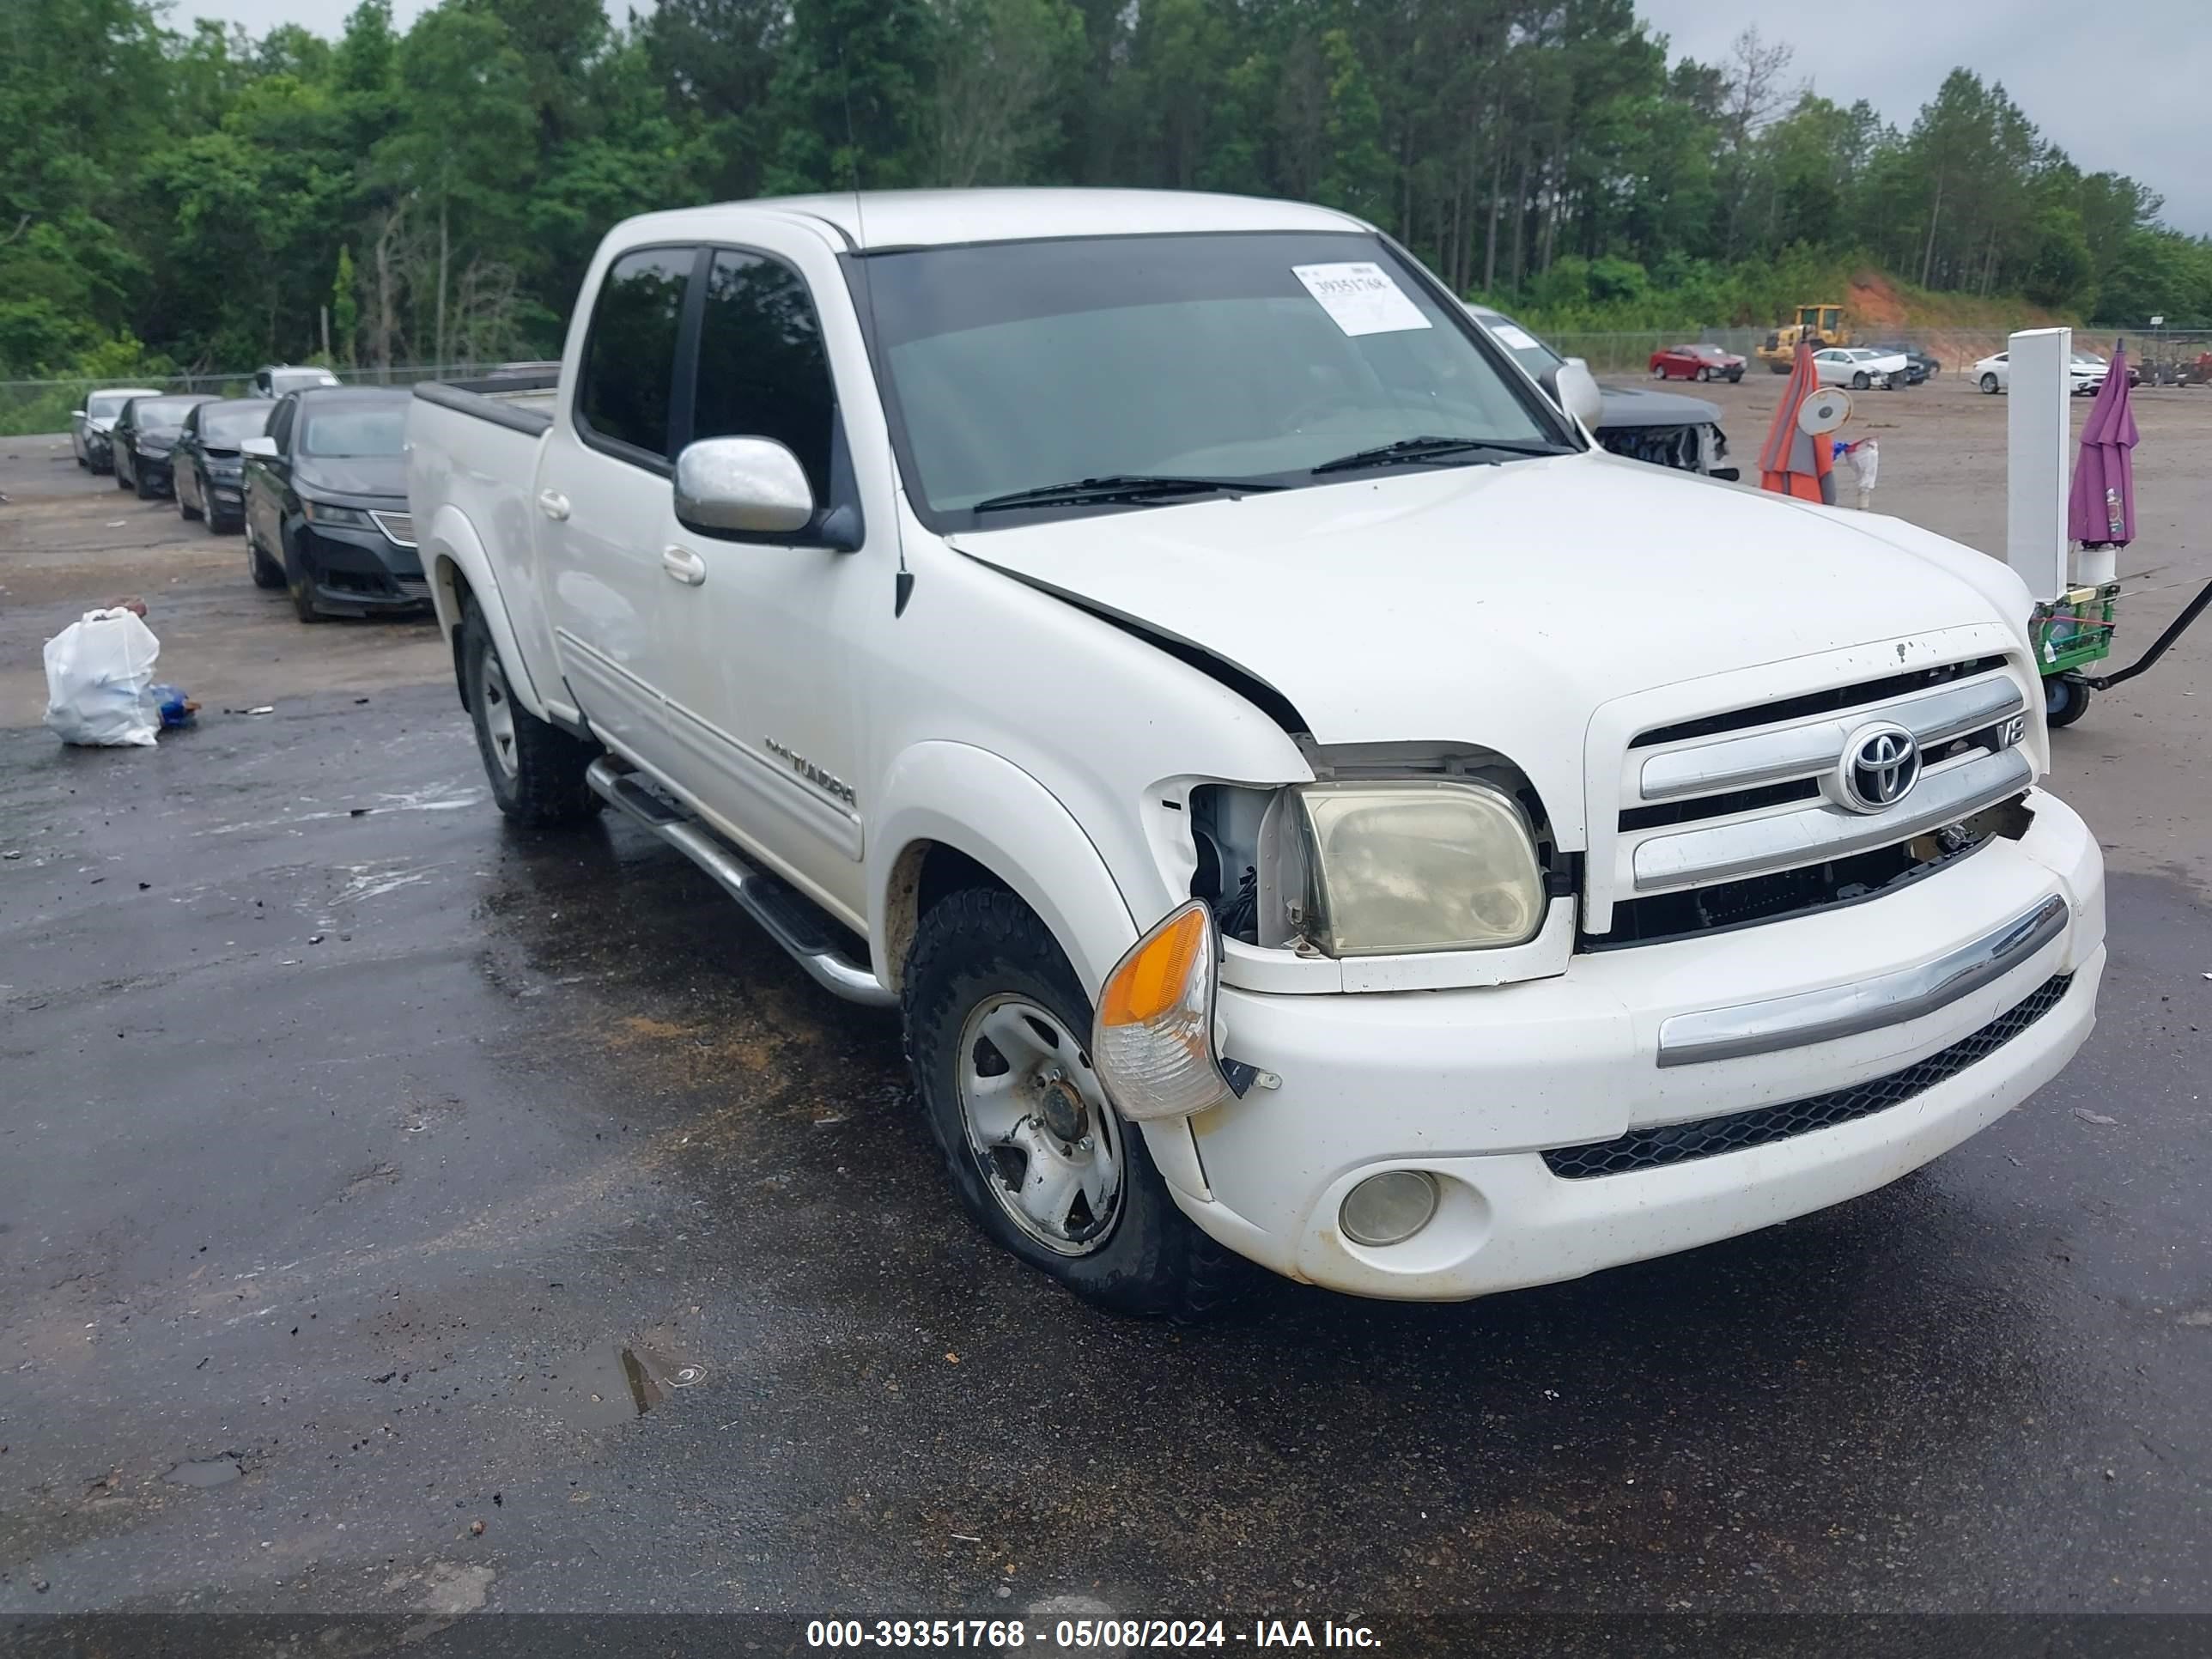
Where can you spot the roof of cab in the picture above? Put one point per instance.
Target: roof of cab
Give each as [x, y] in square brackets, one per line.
[877, 220]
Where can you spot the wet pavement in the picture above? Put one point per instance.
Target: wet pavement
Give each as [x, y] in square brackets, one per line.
[370, 1170]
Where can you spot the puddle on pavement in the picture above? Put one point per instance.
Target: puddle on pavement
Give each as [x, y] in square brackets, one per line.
[610, 1382]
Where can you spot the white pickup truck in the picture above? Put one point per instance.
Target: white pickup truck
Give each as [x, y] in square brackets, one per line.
[1308, 803]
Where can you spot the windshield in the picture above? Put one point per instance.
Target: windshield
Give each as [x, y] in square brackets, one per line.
[1013, 366]
[358, 429]
[1531, 352]
[107, 405]
[281, 381]
[228, 423]
[162, 411]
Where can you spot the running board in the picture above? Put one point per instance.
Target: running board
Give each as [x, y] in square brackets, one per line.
[792, 920]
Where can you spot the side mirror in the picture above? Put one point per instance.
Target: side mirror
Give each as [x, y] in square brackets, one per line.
[750, 486]
[262, 449]
[76, 414]
[1578, 394]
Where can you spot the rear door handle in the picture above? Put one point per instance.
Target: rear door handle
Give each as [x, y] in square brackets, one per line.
[684, 565]
[553, 504]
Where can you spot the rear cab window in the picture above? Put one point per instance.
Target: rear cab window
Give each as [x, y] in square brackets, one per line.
[624, 403]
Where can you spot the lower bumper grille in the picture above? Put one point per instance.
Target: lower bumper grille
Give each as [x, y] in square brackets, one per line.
[1709, 1137]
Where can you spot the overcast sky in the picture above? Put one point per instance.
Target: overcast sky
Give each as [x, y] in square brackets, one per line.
[2125, 86]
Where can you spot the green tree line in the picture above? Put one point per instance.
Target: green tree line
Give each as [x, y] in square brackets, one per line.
[211, 199]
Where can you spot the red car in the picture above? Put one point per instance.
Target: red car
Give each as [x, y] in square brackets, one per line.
[1696, 363]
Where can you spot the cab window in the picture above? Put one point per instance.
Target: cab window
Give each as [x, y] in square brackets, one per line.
[762, 370]
[629, 357]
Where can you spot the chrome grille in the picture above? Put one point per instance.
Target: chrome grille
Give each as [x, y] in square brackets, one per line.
[1747, 793]
[398, 527]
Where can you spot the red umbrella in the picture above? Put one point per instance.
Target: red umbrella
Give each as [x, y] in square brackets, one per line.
[1793, 461]
[2101, 511]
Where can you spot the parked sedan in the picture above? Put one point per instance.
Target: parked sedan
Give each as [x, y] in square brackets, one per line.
[326, 503]
[1696, 363]
[1994, 372]
[144, 433]
[1860, 368]
[91, 427]
[275, 379]
[208, 464]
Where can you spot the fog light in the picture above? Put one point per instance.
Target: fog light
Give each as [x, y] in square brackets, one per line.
[1389, 1208]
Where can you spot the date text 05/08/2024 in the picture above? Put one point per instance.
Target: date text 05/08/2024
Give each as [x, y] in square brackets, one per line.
[1108, 1635]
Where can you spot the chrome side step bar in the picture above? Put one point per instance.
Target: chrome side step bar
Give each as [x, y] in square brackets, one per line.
[791, 920]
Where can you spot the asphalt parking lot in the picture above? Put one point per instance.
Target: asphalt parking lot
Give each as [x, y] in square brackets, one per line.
[369, 1171]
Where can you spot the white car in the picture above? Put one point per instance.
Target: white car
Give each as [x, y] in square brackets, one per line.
[2087, 373]
[1860, 368]
[92, 428]
[1164, 647]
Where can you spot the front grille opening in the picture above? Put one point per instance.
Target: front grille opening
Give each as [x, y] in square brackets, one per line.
[1756, 899]
[1818, 702]
[1719, 807]
[1710, 1137]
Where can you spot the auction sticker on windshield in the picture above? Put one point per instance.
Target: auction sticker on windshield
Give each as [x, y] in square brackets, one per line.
[1360, 298]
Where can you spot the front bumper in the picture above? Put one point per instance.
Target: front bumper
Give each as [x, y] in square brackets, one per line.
[359, 571]
[152, 471]
[1476, 1086]
[223, 496]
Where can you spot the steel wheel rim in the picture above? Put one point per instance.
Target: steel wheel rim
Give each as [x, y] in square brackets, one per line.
[1024, 1081]
[498, 714]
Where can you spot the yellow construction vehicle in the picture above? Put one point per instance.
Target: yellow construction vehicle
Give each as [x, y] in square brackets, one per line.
[1816, 325]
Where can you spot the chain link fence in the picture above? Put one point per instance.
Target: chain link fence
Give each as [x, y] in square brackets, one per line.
[42, 406]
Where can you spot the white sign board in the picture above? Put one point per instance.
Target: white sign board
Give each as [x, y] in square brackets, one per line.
[2037, 465]
[1360, 297]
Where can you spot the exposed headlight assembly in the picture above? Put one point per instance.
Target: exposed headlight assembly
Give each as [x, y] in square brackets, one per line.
[325, 514]
[1389, 866]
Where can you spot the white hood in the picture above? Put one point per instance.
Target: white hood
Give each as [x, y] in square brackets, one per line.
[1502, 605]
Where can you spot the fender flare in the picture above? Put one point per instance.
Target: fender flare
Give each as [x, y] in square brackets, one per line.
[959, 796]
[452, 541]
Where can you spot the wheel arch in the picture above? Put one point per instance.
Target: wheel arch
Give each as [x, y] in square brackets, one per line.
[460, 569]
[954, 816]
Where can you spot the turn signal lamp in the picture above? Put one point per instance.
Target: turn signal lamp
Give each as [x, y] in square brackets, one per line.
[1152, 1041]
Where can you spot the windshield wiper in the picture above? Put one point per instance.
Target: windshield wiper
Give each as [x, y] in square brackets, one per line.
[1408, 450]
[1121, 486]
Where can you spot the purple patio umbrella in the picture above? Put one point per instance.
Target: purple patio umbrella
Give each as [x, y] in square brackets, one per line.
[2101, 511]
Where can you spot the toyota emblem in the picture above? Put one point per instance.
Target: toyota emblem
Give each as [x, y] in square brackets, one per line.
[1881, 763]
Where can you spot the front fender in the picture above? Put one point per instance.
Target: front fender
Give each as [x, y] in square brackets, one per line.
[967, 799]
[453, 547]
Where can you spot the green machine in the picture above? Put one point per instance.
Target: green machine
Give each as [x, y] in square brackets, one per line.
[2075, 630]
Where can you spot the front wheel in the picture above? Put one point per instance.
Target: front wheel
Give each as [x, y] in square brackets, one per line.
[1735, 375]
[1658, 371]
[536, 769]
[299, 581]
[1989, 383]
[184, 510]
[2065, 699]
[1859, 381]
[997, 1029]
[265, 571]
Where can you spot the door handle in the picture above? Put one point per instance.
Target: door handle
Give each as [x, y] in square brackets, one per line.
[553, 504]
[684, 565]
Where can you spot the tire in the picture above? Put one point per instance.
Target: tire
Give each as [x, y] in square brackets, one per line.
[2065, 699]
[265, 571]
[1735, 376]
[1658, 371]
[121, 482]
[140, 487]
[190, 513]
[298, 582]
[1704, 375]
[536, 769]
[982, 959]
[1990, 384]
[1859, 381]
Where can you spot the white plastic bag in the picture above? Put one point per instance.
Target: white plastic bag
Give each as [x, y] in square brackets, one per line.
[100, 678]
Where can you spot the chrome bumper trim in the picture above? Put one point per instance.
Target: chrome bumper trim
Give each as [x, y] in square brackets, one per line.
[1759, 846]
[1744, 762]
[1842, 1011]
